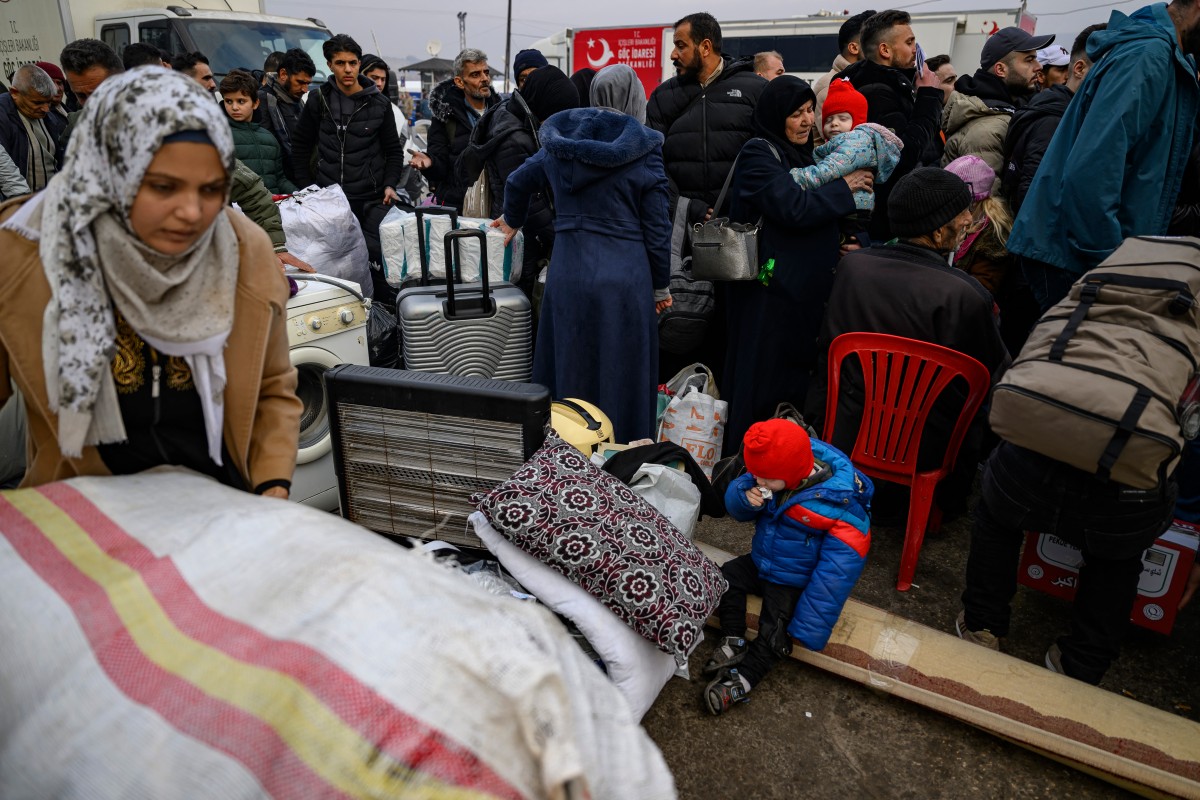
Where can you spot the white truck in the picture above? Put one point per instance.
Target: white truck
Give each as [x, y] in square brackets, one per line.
[231, 34]
[808, 44]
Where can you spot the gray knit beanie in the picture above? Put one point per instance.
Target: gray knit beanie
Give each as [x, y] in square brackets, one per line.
[925, 200]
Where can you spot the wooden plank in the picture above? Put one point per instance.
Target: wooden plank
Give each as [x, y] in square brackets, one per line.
[1127, 743]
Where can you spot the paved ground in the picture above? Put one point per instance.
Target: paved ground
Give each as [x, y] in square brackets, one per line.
[808, 733]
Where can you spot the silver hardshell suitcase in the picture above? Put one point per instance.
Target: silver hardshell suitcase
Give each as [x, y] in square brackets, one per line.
[469, 329]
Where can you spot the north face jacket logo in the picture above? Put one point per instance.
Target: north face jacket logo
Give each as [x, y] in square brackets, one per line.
[735, 93]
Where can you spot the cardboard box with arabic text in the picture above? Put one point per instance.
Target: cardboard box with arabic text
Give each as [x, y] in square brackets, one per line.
[1050, 565]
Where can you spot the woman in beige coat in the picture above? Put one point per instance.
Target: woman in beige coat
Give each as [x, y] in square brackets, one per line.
[142, 319]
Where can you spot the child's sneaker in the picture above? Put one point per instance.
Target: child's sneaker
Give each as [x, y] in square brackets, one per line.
[725, 690]
[729, 653]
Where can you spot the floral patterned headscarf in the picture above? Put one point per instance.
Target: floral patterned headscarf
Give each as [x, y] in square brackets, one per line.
[181, 305]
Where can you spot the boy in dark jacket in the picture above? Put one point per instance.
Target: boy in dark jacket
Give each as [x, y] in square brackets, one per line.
[811, 535]
[255, 146]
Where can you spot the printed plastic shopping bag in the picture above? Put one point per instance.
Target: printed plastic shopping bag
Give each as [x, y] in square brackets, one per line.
[696, 422]
[322, 230]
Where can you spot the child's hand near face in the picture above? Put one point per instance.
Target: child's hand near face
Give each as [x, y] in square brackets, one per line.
[754, 497]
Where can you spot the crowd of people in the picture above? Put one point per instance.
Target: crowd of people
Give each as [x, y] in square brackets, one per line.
[893, 196]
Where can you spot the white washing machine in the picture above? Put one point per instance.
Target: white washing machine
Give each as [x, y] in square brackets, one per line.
[326, 326]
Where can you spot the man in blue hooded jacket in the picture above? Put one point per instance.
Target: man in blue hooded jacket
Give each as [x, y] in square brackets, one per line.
[1116, 172]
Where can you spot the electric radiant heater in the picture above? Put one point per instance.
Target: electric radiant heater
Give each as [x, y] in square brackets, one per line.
[410, 448]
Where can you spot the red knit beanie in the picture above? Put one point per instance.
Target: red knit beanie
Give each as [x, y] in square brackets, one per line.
[843, 98]
[778, 450]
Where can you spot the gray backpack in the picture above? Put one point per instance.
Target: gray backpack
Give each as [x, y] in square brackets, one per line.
[1106, 380]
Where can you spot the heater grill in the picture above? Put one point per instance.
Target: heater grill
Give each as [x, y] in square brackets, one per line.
[411, 448]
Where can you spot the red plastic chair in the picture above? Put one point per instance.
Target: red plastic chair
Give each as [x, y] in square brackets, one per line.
[902, 378]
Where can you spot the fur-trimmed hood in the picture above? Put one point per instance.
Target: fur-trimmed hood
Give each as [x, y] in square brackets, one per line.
[441, 96]
[598, 137]
[595, 141]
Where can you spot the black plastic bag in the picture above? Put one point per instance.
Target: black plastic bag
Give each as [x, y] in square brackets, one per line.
[383, 337]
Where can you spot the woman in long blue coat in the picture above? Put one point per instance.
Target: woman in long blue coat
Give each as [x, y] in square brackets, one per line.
[773, 328]
[609, 274]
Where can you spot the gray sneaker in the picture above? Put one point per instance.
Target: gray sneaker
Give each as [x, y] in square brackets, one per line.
[730, 652]
[1054, 659]
[983, 638]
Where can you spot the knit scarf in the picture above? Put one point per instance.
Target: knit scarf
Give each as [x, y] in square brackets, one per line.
[39, 165]
[181, 305]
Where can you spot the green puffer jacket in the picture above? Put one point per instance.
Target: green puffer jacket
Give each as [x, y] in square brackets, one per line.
[259, 150]
[247, 190]
[973, 128]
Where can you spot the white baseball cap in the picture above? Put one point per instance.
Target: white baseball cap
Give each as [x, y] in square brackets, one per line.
[1054, 56]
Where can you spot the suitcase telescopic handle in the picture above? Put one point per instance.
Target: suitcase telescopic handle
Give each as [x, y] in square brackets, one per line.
[421, 211]
[454, 265]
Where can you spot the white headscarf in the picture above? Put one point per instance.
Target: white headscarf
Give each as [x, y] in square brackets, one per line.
[181, 305]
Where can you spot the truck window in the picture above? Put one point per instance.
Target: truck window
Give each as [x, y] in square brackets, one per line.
[801, 53]
[247, 43]
[160, 34]
[115, 36]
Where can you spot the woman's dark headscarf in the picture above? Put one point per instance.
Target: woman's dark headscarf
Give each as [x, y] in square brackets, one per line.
[778, 101]
[583, 84]
[547, 91]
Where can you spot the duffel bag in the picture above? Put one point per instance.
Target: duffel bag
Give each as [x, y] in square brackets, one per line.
[1100, 381]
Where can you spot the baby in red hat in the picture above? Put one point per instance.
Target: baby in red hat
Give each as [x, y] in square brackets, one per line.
[812, 521]
[852, 144]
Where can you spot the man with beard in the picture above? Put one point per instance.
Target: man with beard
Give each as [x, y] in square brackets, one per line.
[456, 104]
[195, 66]
[347, 135]
[977, 116]
[1117, 160]
[885, 77]
[704, 113]
[281, 99]
[906, 288]
[1032, 127]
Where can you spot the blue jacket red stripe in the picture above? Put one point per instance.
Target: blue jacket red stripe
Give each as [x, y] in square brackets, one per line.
[816, 539]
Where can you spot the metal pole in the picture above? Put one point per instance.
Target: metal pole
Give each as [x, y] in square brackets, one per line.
[508, 48]
[462, 31]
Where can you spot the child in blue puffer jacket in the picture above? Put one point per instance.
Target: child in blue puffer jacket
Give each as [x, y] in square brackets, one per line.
[812, 512]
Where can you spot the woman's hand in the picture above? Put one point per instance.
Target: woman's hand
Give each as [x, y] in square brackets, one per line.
[663, 305]
[276, 491]
[860, 179]
[509, 232]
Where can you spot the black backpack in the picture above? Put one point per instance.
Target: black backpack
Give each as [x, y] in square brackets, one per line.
[682, 326]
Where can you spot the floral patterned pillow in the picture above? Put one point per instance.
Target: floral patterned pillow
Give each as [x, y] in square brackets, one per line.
[590, 527]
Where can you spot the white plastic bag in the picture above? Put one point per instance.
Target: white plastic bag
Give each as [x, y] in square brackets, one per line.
[696, 422]
[672, 492]
[402, 252]
[322, 230]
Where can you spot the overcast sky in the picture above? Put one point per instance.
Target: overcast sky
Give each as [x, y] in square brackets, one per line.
[403, 27]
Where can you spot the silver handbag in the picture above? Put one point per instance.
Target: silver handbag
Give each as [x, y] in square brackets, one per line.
[724, 250]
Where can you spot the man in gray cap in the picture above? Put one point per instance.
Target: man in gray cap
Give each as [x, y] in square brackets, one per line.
[976, 118]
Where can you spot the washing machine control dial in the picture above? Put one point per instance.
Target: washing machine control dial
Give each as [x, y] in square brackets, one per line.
[346, 316]
[315, 323]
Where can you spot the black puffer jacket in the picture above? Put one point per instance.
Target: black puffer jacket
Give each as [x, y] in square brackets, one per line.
[363, 153]
[704, 129]
[449, 135]
[500, 143]
[1029, 136]
[916, 117]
